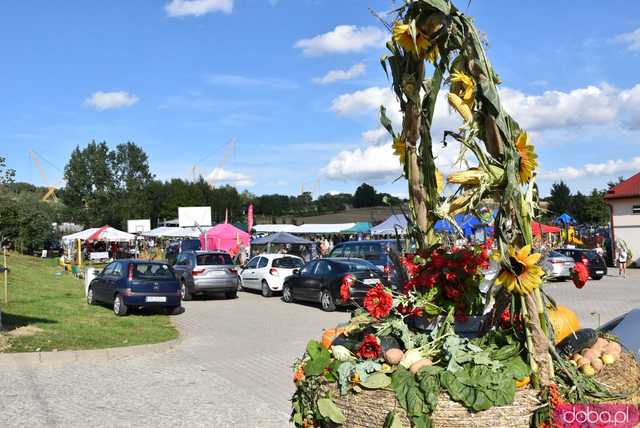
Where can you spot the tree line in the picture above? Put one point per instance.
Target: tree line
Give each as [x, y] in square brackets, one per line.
[111, 186]
[587, 208]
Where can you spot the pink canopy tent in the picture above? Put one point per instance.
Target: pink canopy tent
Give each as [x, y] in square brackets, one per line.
[224, 237]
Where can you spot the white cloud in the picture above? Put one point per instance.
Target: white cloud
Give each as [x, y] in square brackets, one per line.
[223, 176]
[337, 75]
[375, 135]
[632, 40]
[344, 39]
[198, 7]
[609, 167]
[371, 163]
[109, 100]
[631, 103]
[556, 109]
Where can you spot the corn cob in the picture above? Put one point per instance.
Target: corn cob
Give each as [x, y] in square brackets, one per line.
[470, 177]
[459, 105]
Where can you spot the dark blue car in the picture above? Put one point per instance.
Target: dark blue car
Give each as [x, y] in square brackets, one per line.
[135, 283]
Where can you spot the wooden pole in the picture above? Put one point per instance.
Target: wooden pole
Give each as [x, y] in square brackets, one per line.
[6, 277]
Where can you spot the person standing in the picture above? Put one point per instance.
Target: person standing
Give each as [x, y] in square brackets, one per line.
[622, 262]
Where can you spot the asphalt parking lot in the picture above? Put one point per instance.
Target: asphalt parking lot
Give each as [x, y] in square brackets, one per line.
[231, 368]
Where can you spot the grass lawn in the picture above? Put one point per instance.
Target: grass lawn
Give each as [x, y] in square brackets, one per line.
[56, 304]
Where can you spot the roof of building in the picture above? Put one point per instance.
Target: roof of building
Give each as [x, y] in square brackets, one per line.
[627, 189]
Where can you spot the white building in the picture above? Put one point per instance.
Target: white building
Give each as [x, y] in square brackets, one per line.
[624, 202]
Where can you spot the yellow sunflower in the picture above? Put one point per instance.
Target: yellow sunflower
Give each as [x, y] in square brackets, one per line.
[402, 36]
[400, 149]
[467, 86]
[526, 275]
[528, 158]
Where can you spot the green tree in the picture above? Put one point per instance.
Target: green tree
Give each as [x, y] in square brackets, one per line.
[366, 196]
[596, 211]
[7, 175]
[560, 198]
[578, 207]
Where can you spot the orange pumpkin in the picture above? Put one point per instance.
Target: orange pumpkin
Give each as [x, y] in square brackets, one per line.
[329, 335]
[564, 322]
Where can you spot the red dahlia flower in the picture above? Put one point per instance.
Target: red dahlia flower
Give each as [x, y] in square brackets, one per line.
[450, 276]
[579, 275]
[370, 348]
[378, 302]
[452, 292]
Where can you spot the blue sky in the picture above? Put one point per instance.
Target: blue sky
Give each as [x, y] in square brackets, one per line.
[296, 83]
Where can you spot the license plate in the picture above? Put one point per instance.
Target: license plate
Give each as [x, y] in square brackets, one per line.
[600, 272]
[371, 281]
[216, 273]
[568, 263]
[156, 299]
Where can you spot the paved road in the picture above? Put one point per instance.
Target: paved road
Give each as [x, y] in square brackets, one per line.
[232, 368]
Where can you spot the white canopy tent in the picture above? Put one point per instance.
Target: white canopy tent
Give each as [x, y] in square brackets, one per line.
[184, 232]
[395, 223]
[159, 232]
[322, 228]
[111, 234]
[274, 228]
[82, 235]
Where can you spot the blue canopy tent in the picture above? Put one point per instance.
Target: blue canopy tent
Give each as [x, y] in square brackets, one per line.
[360, 227]
[564, 219]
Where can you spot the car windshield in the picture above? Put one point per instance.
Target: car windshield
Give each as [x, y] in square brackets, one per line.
[213, 259]
[556, 254]
[591, 255]
[151, 271]
[288, 263]
[355, 265]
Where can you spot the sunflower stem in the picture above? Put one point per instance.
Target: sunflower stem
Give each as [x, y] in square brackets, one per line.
[530, 350]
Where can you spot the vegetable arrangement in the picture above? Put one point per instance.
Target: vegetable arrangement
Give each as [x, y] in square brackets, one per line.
[406, 342]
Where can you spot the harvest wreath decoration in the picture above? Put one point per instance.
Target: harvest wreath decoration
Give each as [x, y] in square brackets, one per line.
[404, 359]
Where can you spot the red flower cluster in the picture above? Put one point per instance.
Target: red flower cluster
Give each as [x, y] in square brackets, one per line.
[454, 272]
[579, 275]
[378, 302]
[370, 348]
[507, 321]
[345, 287]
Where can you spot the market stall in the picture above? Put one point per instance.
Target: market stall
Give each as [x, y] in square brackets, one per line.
[225, 237]
[396, 223]
[280, 238]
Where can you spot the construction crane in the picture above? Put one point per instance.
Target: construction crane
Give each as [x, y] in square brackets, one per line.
[215, 174]
[51, 192]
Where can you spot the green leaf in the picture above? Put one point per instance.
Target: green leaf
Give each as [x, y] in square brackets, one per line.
[328, 409]
[376, 381]
[442, 5]
[320, 359]
[391, 421]
[314, 348]
[345, 371]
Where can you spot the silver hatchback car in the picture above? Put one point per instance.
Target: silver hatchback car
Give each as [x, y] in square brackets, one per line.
[206, 272]
[557, 265]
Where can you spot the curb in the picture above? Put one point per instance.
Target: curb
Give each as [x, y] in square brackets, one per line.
[22, 359]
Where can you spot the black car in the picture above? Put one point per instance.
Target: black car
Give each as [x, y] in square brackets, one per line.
[381, 253]
[594, 263]
[320, 281]
[175, 248]
[135, 283]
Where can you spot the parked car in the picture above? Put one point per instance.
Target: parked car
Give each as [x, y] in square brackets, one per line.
[625, 328]
[267, 272]
[205, 272]
[380, 253]
[135, 283]
[594, 263]
[556, 265]
[175, 248]
[320, 281]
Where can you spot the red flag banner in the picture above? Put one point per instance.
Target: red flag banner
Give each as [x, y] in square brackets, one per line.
[250, 218]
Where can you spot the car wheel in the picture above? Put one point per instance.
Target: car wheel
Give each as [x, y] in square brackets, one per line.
[119, 308]
[287, 296]
[185, 294]
[91, 298]
[174, 310]
[266, 291]
[326, 300]
[231, 294]
[597, 277]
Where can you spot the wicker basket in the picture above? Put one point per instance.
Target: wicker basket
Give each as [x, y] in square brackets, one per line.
[369, 409]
